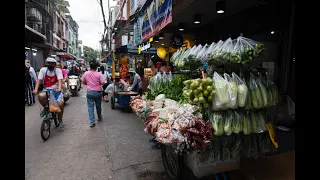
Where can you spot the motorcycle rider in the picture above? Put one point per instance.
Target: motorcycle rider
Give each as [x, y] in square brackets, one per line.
[52, 79]
[75, 71]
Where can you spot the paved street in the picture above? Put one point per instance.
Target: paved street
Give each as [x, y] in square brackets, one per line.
[117, 148]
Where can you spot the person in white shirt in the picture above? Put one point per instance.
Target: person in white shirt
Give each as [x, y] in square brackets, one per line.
[52, 81]
[106, 78]
[32, 71]
[30, 79]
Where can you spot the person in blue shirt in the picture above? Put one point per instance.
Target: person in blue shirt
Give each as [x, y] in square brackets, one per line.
[137, 83]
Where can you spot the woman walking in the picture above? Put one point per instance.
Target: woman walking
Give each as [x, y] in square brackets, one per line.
[94, 80]
[106, 78]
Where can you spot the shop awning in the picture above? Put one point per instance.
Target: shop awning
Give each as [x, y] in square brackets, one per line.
[65, 55]
[32, 35]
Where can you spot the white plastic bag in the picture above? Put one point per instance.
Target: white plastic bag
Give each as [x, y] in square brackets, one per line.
[53, 104]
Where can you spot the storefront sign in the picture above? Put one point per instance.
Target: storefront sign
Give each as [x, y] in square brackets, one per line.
[137, 34]
[157, 16]
[146, 46]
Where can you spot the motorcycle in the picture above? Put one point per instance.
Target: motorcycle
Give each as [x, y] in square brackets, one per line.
[65, 92]
[74, 84]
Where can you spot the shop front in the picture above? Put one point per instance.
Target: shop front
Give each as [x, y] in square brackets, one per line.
[230, 48]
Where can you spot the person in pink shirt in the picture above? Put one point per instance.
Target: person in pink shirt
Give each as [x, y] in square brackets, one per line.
[94, 80]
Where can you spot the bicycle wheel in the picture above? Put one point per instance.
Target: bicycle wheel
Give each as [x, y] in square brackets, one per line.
[54, 116]
[171, 162]
[45, 130]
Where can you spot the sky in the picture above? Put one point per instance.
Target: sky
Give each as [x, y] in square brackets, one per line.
[87, 13]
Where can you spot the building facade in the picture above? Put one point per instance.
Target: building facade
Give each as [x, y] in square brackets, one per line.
[47, 31]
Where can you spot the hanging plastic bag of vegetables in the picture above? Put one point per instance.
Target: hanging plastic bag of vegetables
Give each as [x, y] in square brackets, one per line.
[246, 128]
[238, 122]
[223, 55]
[221, 88]
[217, 120]
[201, 52]
[214, 53]
[242, 90]
[246, 50]
[229, 122]
[233, 92]
[264, 94]
[236, 145]
[255, 125]
[255, 92]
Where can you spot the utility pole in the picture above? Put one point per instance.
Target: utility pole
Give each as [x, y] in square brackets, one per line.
[105, 27]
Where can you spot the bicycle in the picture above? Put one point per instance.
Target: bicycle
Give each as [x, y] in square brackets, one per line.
[49, 117]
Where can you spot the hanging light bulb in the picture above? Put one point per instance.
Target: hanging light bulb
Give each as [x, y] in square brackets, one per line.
[197, 19]
[161, 35]
[181, 27]
[220, 7]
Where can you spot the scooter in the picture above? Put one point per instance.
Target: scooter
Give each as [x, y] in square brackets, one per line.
[65, 92]
[74, 85]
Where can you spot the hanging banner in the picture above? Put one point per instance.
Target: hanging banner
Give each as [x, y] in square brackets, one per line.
[137, 34]
[157, 16]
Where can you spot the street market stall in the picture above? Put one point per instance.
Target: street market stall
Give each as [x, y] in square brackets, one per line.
[209, 121]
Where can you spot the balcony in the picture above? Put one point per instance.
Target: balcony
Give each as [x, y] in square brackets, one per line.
[34, 15]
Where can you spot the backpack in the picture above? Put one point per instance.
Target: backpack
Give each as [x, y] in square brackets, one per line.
[27, 75]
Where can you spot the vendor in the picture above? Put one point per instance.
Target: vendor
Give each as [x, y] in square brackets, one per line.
[137, 83]
[154, 61]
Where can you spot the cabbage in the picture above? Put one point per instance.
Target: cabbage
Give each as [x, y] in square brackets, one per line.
[242, 95]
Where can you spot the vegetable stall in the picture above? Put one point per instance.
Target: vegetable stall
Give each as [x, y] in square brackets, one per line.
[209, 121]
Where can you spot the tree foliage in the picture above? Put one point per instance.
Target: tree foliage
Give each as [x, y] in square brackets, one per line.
[89, 53]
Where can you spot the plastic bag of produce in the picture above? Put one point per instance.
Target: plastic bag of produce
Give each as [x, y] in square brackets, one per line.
[201, 53]
[255, 125]
[221, 88]
[246, 146]
[217, 120]
[246, 124]
[229, 122]
[213, 54]
[246, 50]
[223, 55]
[233, 92]
[262, 121]
[170, 76]
[264, 94]
[255, 92]
[238, 122]
[194, 52]
[216, 104]
[173, 59]
[236, 145]
[227, 147]
[248, 104]
[242, 93]
[53, 103]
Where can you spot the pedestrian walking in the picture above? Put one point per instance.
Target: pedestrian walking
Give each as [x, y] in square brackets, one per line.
[30, 80]
[106, 78]
[94, 80]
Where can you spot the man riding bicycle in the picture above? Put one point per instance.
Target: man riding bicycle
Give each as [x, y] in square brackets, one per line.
[52, 81]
